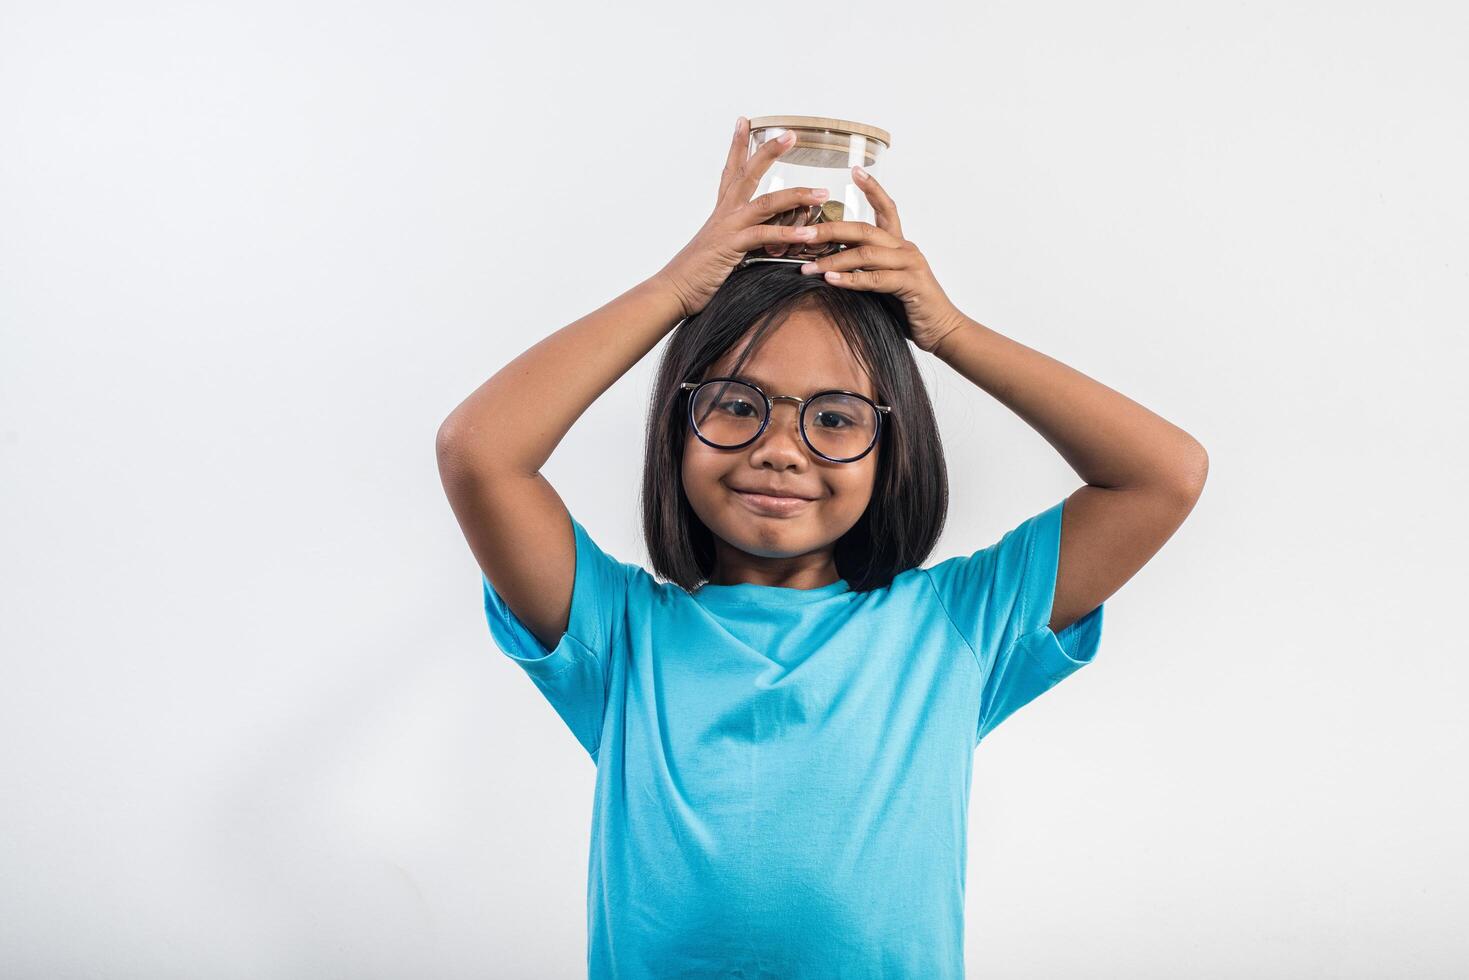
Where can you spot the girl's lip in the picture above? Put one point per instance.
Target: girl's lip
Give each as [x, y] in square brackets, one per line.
[780, 506]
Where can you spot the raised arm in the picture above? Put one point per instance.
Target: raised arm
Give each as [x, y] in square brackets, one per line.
[492, 446]
[1143, 473]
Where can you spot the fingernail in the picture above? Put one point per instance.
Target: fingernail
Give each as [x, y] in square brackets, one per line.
[787, 136]
[804, 233]
[808, 267]
[739, 121]
[820, 193]
[834, 276]
[860, 172]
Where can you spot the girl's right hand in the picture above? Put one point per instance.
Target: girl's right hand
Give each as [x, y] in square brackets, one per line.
[737, 224]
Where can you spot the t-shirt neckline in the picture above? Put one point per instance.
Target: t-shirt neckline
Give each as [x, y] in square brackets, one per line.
[769, 594]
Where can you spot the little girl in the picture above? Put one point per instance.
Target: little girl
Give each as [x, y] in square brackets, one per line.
[783, 721]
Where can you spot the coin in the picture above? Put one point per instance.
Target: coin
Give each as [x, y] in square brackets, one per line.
[805, 214]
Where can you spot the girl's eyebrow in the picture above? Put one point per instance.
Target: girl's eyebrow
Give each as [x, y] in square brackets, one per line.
[767, 386]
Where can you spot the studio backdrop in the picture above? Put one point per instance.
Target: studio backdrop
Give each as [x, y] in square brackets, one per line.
[252, 721]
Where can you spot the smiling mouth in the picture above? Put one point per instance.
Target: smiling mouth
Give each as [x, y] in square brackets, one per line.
[766, 504]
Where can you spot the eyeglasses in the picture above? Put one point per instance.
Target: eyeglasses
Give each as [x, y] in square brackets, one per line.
[839, 426]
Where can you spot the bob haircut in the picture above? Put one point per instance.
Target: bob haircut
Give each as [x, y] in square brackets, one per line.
[910, 494]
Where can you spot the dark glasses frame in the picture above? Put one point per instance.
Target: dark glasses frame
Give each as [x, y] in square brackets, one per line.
[801, 405]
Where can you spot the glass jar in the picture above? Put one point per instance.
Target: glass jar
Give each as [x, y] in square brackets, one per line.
[823, 155]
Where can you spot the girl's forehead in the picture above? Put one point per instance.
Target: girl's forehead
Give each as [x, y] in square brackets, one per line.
[802, 355]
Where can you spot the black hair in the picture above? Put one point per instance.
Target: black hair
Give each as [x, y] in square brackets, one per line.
[910, 494]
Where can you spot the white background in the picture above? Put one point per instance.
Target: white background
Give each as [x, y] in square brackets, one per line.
[252, 723]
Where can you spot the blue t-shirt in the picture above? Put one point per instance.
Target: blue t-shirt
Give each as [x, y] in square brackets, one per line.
[783, 774]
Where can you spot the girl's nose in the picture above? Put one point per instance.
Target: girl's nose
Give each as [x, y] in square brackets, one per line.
[784, 429]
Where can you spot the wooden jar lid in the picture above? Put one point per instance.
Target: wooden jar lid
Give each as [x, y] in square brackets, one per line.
[822, 122]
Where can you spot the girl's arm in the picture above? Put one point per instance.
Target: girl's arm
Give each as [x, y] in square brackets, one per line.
[1144, 474]
[492, 446]
[513, 422]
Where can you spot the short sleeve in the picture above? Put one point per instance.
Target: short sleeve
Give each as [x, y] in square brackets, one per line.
[574, 675]
[1000, 600]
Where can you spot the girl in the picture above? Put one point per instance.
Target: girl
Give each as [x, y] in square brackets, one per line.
[784, 727]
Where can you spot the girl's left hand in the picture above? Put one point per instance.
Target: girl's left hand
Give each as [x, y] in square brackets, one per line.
[885, 262]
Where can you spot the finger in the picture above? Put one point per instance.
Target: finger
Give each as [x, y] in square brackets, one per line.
[798, 216]
[781, 201]
[787, 218]
[747, 177]
[871, 280]
[739, 149]
[860, 232]
[861, 257]
[882, 203]
[756, 236]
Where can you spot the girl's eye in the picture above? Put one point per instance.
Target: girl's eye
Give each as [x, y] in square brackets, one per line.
[734, 405]
[837, 420]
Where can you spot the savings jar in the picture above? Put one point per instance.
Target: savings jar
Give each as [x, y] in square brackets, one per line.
[823, 155]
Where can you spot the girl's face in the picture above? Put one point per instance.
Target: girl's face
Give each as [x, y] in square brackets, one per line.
[803, 355]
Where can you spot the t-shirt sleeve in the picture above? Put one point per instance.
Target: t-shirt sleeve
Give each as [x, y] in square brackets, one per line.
[1000, 600]
[574, 675]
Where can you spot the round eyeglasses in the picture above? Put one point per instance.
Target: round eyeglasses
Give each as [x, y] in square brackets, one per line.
[839, 426]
